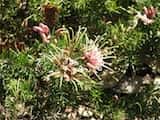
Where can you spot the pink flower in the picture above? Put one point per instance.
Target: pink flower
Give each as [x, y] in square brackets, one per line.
[44, 32]
[147, 17]
[150, 12]
[94, 59]
[94, 56]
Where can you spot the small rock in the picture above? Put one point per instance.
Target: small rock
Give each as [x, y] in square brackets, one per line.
[72, 116]
[68, 109]
[156, 82]
[81, 109]
[92, 118]
[87, 113]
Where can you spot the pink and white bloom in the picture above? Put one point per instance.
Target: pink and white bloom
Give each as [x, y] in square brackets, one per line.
[144, 19]
[94, 59]
[94, 56]
[147, 17]
[44, 32]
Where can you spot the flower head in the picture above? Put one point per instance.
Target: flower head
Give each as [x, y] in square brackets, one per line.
[69, 69]
[150, 12]
[94, 57]
[147, 17]
[44, 32]
[66, 67]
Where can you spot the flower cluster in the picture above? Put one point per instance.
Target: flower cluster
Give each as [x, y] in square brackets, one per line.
[66, 67]
[44, 32]
[91, 57]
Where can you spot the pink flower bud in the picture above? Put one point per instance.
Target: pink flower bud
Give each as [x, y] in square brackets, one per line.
[150, 12]
[44, 32]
